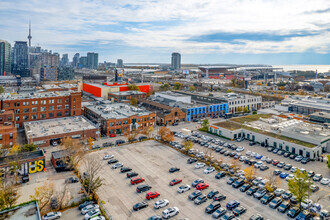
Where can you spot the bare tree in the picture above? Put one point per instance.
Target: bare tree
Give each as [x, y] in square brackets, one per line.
[63, 197]
[273, 182]
[43, 194]
[92, 181]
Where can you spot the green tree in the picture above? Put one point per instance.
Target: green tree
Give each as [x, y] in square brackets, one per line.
[205, 124]
[187, 145]
[328, 161]
[133, 101]
[2, 90]
[192, 88]
[165, 87]
[254, 112]
[28, 147]
[92, 181]
[299, 186]
[133, 87]
[245, 109]
[177, 86]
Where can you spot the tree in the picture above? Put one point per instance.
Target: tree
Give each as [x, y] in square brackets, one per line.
[90, 141]
[235, 165]
[245, 109]
[273, 182]
[299, 186]
[165, 87]
[205, 124]
[254, 112]
[148, 131]
[328, 160]
[15, 149]
[92, 181]
[187, 145]
[2, 90]
[250, 174]
[28, 147]
[75, 151]
[131, 134]
[229, 91]
[165, 134]
[63, 197]
[192, 88]
[43, 194]
[133, 101]
[133, 87]
[239, 109]
[177, 86]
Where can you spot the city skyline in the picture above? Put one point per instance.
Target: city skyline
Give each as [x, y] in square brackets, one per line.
[243, 32]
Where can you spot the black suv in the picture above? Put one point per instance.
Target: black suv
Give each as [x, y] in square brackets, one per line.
[142, 188]
[220, 175]
[141, 138]
[212, 194]
[194, 195]
[267, 198]
[112, 161]
[252, 190]
[191, 160]
[219, 197]
[131, 174]
[120, 142]
[125, 169]
[245, 187]
[238, 183]
[212, 207]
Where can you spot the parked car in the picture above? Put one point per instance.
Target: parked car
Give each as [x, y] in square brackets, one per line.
[209, 170]
[52, 215]
[252, 190]
[91, 214]
[200, 199]
[118, 142]
[137, 180]
[72, 180]
[53, 202]
[142, 188]
[286, 195]
[191, 160]
[125, 169]
[183, 188]
[238, 183]
[245, 187]
[161, 203]
[317, 177]
[194, 195]
[212, 207]
[219, 212]
[283, 207]
[293, 212]
[275, 202]
[219, 197]
[174, 169]
[260, 193]
[239, 210]
[89, 208]
[112, 161]
[108, 157]
[131, 174]
[175, 181]
[212, 193]
[152, 195]
[84, 204]
[264, 167]
[196, 182]
[140, 205]
[170, 212]
[279, 192]
[220, 175]
[202, 186]
[232, 204]
[117, 165]
[304, 215]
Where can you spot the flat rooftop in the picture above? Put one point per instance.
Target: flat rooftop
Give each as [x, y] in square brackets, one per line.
[22, 156]
[292, 130]
[34, 95]
[29, 211]
[117, 110]
[44, 128]
[131, 92]
[170, 93]
[321, 114]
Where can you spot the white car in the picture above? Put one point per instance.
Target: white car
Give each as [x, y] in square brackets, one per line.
[242, 158]
[209, 170]
[306, 204]
[293, 169]
[258, 164]
[291, 176]
[98, 218]
[248, 153]
[108, 157]
[161, 203]
[263, 159]
[279, 192]
[170, 212]
[52, 215]
[183, 188]
[88, 208]
[199, 165]
[117, 165]
[92, 214]
[240, 149]
[253, 154]
[325, 181]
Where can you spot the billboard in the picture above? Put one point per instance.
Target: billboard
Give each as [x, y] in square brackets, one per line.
[185, 72]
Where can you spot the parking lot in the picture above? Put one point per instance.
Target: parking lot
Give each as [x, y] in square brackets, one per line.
[152, 161]
[322, 196]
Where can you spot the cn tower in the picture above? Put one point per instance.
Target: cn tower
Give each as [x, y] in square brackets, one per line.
[29, 37]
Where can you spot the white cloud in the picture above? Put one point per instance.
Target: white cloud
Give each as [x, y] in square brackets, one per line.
[70, 22]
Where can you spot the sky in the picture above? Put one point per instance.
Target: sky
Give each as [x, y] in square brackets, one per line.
[148, 31]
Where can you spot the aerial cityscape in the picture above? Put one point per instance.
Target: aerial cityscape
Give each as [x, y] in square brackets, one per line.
[150, 110]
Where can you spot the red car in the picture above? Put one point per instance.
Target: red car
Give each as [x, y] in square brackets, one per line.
[152, 195]
[175, 181]
[275, 162]
[202, 186]
[113, 135]
[136, 180]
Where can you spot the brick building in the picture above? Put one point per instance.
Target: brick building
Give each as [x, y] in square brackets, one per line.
[126, 96]
[118, 118]
[46, 132]
[166, 115]
[42, 105]
[8, 131]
